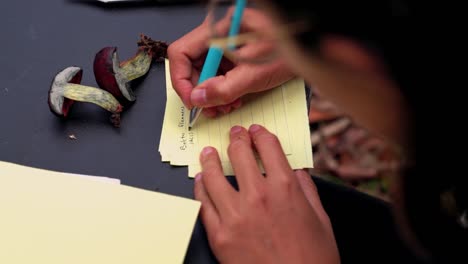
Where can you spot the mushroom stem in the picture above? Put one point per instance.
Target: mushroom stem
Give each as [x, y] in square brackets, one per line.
[114, 76]
[93, 95]
[136, 66]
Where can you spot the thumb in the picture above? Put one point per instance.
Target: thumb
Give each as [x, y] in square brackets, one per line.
[241, 80]
[219, 90]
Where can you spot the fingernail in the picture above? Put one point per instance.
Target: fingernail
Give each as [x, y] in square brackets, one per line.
[198, 177]
[254, 128]
[206, 151]
[236, 129]
[198, 96]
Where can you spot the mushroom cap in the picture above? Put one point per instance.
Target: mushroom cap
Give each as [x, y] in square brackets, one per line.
[58, 104]
[108, 75]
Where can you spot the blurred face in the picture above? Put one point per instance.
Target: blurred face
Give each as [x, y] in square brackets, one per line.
[350, 76]
[357, 81]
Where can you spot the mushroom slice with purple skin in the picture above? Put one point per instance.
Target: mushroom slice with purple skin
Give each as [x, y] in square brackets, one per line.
[115, 76]
[65, 90]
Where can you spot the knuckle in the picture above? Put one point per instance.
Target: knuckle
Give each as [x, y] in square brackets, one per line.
[267, 138]
[236, 222]
[236, 146]
[172, 49]
[225, 96]
[221, 240]
[209, 171]
[258, 198]
[287, 183]
[230, 10]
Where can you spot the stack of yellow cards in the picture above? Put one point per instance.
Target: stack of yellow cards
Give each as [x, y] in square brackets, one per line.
[53, 218]
[282, 110]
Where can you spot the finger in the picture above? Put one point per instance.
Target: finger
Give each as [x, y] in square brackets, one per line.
[225, 89]
[241, 80]
[209, 215]
[243, 160]
[181, 77]
[256, 50]
[194, 44]
[253, 20]
[308, 187]
[237, 104]
[218, 188]
[225, 66]
[182, 53]
[271, 153]
[195, 76]
[310, 191]
[210, 112]
[224, 109]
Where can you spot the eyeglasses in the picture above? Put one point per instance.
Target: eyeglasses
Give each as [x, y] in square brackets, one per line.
[256, 43]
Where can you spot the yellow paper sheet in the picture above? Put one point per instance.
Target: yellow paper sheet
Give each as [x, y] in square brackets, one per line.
[52, 218]
[25, 170]
[301, 148]
[281, 110]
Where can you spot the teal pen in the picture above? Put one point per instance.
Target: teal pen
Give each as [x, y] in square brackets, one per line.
[215, 54]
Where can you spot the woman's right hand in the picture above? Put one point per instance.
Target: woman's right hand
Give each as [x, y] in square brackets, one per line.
[221, 94]
[273, 217]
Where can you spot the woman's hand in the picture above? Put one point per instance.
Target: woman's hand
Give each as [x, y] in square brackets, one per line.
[276, 218]
[221, 94]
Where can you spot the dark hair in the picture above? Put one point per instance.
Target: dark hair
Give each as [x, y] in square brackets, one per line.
[385, 27]
[435, 205]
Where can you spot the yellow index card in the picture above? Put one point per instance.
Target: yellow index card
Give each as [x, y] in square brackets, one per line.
[19, 169]
[301, 148]
[282, 111]
[52, 218]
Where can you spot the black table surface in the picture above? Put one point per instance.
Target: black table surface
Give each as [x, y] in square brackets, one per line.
[40, 38]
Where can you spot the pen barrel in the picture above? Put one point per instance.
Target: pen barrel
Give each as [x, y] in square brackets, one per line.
[236, 20]
[237, 17]
[212, 61]
[215, 54]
